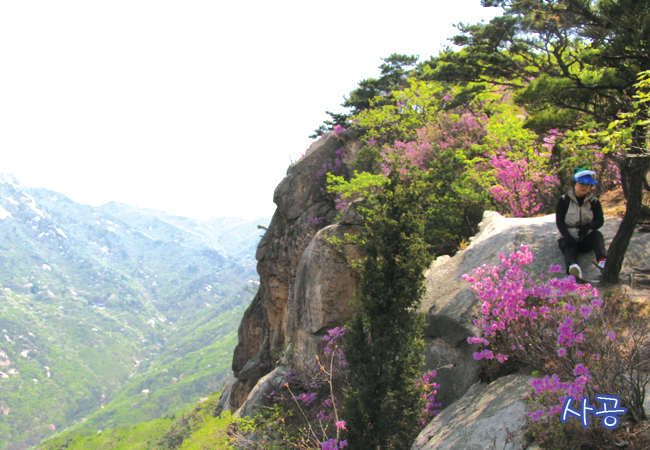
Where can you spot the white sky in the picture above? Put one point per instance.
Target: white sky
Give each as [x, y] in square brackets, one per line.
[192, 107]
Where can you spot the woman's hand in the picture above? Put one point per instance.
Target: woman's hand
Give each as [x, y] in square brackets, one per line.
[584, 230]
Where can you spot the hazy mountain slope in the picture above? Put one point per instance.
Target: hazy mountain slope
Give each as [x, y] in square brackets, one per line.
[228, 235]
[88, 300]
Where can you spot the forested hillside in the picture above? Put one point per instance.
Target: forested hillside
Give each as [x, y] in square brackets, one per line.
[123, 313]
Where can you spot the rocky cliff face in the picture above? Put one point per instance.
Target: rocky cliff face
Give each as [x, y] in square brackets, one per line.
[299, 296]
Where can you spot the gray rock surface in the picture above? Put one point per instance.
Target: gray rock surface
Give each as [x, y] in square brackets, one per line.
[270, 382]
[224, 399]
[326, 283]
[486, 417]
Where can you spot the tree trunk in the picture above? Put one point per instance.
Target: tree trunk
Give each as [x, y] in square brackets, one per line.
[633, 172]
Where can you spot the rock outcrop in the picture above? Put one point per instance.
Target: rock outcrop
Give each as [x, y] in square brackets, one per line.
[277, 317]
[487, 416]
[326, 282]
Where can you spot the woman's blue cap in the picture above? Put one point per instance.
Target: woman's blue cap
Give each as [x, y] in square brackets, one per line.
[585, 177]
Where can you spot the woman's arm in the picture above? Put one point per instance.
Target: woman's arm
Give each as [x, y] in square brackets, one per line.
[599, 219]
[560, 215]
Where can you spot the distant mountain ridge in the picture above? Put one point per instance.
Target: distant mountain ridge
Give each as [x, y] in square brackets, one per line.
[228, 235]
[95, 299]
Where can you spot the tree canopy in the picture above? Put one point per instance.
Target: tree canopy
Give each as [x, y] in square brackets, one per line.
[571, 63]
[393, 76]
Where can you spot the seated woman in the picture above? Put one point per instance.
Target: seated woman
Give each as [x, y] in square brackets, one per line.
[578, 216]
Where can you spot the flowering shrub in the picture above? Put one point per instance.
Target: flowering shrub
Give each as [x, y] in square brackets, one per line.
[335, 167]
[430, 390]
[521, 188]
[318, 221]
[333, 444]
[437, 143]
[563, 330]
[409, 153]
[517, 167]
[305, 414]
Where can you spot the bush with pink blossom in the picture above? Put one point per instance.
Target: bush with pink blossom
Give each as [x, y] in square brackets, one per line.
[575, 341]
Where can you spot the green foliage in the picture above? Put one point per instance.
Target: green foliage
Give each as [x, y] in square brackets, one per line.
[142, 436]
[570, 63]
[383, 346]
[515, 165]
[213, 434]
[361, 185]
[393, 76]
[372, 92]
[456, 201]
[411, 108]
[631, 128]
[569, 57]
[420, 129]
[367, 159]
[455, 207]
[193, 430]
[198, 427]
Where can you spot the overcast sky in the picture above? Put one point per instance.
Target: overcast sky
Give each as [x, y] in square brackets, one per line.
[191, 107]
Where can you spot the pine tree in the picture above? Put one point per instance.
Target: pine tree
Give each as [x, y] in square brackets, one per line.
[394, 73]
[384, 343]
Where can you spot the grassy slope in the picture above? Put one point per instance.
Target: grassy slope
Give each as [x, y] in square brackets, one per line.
[179, 377]
[195, 429]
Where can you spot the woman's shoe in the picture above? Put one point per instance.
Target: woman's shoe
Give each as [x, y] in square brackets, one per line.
[576, 271]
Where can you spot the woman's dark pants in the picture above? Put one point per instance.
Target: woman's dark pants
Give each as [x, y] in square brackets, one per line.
[593, 241]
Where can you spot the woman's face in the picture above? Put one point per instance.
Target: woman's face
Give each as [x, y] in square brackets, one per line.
[582, 189]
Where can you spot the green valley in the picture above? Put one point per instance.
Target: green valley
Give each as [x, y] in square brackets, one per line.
[112, 315]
